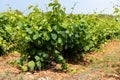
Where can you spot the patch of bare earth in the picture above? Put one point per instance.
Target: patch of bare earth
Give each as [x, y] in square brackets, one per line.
[6, 61]
[103, 65]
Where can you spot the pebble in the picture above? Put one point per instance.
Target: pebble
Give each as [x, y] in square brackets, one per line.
[45, 78]
[28, 73]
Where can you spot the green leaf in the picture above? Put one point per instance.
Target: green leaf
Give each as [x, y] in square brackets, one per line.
[29, 30]
[46, 36]
[116, 10]
[37, 58]
[36, 36]
[86, 48]
[41, 59]
[18, 62]
[118, 37]
[31, 65]
[24, 68]
[93, 38]
[54, 36]
[39, 65]
[49, 28]
[29, 7]
[64, 66]
[60, 58]
[57, 52]
[45, 55]
[20, 24]
[60, 40]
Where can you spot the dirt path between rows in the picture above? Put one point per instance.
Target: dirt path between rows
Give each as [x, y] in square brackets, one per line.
[105, 65]
[102, 65]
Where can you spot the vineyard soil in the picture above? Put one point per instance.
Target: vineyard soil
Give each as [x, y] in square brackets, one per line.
[102, 65]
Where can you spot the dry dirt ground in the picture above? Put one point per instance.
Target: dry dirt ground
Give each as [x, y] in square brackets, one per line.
[102, 65]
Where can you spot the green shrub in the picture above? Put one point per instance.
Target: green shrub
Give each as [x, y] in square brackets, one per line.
[44, 37]
[54, 36]
[9, 26]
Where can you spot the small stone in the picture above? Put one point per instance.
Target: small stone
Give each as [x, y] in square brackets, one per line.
[31, 77]
[28, 73]
[45, 78]
[42, 78]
